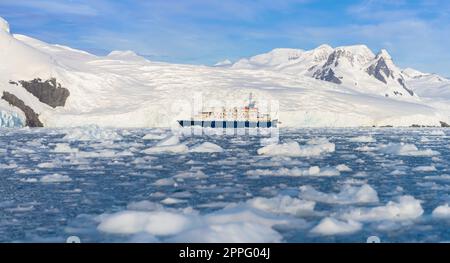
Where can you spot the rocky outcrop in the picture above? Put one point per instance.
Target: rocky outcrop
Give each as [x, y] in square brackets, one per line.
[49, 92]
[32, 118]
[379, 67]
[327, 75]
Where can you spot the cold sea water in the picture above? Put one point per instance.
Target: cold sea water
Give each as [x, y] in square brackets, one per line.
[154, 185]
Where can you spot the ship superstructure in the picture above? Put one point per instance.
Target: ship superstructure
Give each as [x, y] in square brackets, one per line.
[235, 117]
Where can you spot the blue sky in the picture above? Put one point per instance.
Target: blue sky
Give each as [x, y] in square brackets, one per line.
[416, 32]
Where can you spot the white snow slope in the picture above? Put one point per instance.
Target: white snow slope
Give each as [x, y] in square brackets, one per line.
[125, 90]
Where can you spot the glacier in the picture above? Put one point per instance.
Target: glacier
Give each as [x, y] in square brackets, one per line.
[125, 90]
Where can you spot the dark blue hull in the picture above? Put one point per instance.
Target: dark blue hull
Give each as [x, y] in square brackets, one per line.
[228, 124]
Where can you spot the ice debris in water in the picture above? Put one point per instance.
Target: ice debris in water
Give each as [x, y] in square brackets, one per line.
[311, 171]
[332, 226]
[206, 147]
[282, 204]
[348, 195]
[362, 139]
[64, 148]
[91, 133]
[170, 144]
[442, 211]
[313, 148]
[405, 149]
[55, 178]
[239, 223]
[406, 208]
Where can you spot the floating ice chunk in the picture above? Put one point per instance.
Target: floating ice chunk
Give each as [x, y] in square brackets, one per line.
[64, 148]
[429, 168]
[282, 204]
[164, 182]
[406, 208]
[437, 133]
[237, 223]
[348, 195]
[443, 177]
[172, 201]
[311, 171]
[8, 166]
[46, 165]
[313, 148]
[332, 226]
[55, 178]
[442, 211]
[397, 172]
[239, 232]
[191, 175]
[153, 136]
[363, 139]
[343, 168]
[144, 206]
[91, 133]
[155, 222]
[206, 147]
[170, 144]
[29, 180]
[405, 149]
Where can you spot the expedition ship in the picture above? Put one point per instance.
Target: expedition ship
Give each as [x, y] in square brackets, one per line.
[221, 117]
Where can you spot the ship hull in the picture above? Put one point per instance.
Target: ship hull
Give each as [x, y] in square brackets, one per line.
[229, 124]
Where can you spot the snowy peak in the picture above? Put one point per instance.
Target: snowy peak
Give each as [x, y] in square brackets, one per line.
[4, 25]
[223, 63]
[125, 55]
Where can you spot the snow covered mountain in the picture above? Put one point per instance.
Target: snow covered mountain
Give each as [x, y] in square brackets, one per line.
[350, 65]
[51, 85]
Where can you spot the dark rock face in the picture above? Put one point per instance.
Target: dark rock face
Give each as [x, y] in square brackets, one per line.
[32, 119]
[402, 82]
[376, 70]
[49, 92]
[327, 75]
[444, 124]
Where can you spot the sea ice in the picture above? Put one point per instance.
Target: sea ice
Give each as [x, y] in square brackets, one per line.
[363, 139]
[405, 149]
[206, 147]
[332, 226]
[282, 204]
[64, 148]
[170, 144]
[348, 195]
[313, 148]
[430, 168]
[406, 208]
[91, 133]
[442, 211]
[55, 178]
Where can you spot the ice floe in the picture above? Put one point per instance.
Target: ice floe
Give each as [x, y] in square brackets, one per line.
[442, 211]
[91, 133]
[405, 208]
[64, 148]
[206, 147]
[313, 148]
[405, 149]
[311, 171]
[55, 178]
[347, 195]
[363, 138]
[282, 204]
[428, 168]
[231, 224]
[170, 144]
[332, 226]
